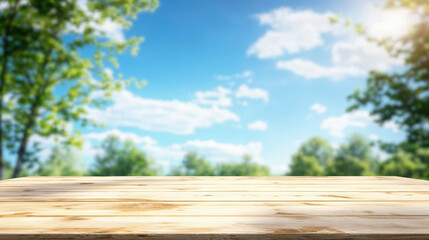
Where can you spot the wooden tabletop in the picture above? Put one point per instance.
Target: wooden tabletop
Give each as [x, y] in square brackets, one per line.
[214, 208]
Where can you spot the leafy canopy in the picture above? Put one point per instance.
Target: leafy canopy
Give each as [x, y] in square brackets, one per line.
[402, 96]
[46, 83]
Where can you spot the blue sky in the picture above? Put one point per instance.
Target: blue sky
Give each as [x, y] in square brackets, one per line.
[233, 77]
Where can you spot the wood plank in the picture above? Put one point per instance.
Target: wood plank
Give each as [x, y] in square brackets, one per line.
[224, 180]
[217, 225]
[212, 178]
[211, 196]
[102, 187]
[268, 236]
[23, 209]
[214, 208]
[217, 179]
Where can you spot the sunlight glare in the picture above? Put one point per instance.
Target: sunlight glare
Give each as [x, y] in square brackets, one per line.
[393, 23]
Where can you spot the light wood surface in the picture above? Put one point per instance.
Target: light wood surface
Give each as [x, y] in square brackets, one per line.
[214, 208]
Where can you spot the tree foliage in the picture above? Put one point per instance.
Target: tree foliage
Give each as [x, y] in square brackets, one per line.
[348, 165]
[402, 96]
[353, 158]
[45, 82]
[404, 164]
[246, 167]
[123, 159]
[305, 165]
[194, 165]
[311, 158]
[357, 155]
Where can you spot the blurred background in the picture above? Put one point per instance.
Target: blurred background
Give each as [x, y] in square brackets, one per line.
[214, 88]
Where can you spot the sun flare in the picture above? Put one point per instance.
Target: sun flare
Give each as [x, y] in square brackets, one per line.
[393, 23]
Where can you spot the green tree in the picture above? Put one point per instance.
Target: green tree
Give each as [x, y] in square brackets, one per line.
[245, 168]
[39, 54]
[61, 162]
[193, 165]
[311, 158]
[122, 159]
[403, 164]
[348, 166]
[354, 158]
[305, 165]
[402, 96]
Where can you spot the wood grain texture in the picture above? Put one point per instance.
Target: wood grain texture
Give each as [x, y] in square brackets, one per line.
[214, 208]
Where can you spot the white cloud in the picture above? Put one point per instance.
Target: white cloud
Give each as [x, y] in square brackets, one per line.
[211, 149]
[363, 55]
[257, 125]
[174, 153]
[279, 169]
[351, 58]
[107, 28]
[110, 29]
[159, 115]
[352, 55]
[3, 5]
[123, 136]
[147, 144]
[254, 93]
[318, 108]
[244, 74]
[218, 97]
[217, 151]
[290, 31]
[392, 125]
[336, 125]
[89, 152]
[310, 69]
[373, 137]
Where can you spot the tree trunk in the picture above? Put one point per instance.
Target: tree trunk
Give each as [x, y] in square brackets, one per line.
[24, 141]
[21, 153]
[26, 133]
